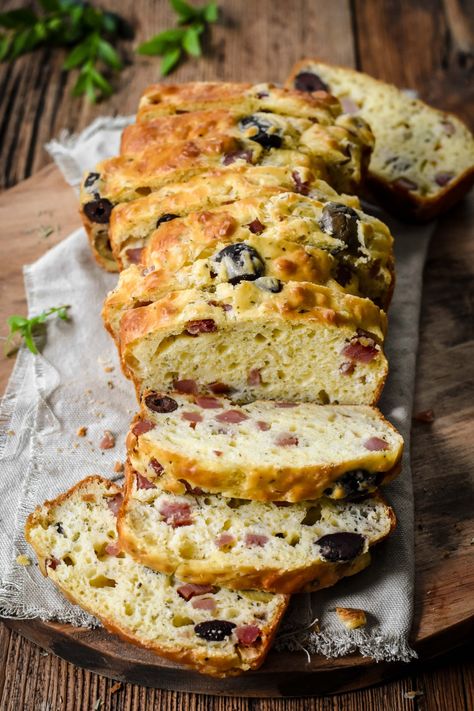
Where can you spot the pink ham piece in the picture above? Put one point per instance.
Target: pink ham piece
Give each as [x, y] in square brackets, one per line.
[204, 325]
[114, 503]
[356, 351]
[208, 403]
[205, 603]
[156, 466]
[112, 548]
[263, 426]
[176, 513]
[220, 388]
[225, 539]
[192, 416]
[254, 377]
[375, 444]
[347, 368]
[188, 387]
[255, 539]
[256, 227]
[53, 563]
[189, 590]
[142, 426]
[285, 439]
[247, 634]
[195, 490]
[233, 416]
[218, 453]
[143, 482]
[107, 441]
[134, 255]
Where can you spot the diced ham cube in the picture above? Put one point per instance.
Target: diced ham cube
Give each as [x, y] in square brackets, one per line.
[256, 227]
[114, 503]
[143, 482]
[285, 439]
[205, 603]
[189, 590]
[192, 416]
[263, 426]
[141, 427]
[176, 513]
[247, 634]
[356, 351]
[134, 255]
[195, 490]
[208, 403]
[156, 466]
[375, 444]
[52, 563]
[203, 325]
[233, 416]
[188, 386]
[107, 441]
[224, 540]
[113, 548]
[220, 388]
[254, 377]
[255, 539]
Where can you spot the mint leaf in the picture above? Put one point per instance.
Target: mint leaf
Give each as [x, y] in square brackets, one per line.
[170, 59]
[108, 54]
[191, 41]
[26, 326]
[184, 11]
[160, 44]
[210, 12]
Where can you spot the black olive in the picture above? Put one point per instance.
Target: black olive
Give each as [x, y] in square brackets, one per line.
[341, 547]
[265, 139]
[167, 217]
[59, 528]
[343, 274]
[98, 210]
[271, 284]
[308, 81]
[160, 403]
[214, 630]
[357, 481]
[242, 262]
[340, 221]
[91, 179]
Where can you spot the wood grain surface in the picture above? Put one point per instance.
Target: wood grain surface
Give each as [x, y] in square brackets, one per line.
[426, 45]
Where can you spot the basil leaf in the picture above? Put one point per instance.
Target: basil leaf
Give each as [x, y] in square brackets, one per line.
[170, 59]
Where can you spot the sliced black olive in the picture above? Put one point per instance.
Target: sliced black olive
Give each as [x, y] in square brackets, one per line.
[167, 217]
[271, 284]
[341, 547]
[160, 403]
[308, 81]
[262, 135]
[59, 528]
[357, 481]
[242, 262]
[91, 179]
[98, 210]
[214, 630]
[341, 221]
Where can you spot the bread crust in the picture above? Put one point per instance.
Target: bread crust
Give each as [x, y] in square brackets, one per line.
[316, 576]
[243, 659]
[396, 198]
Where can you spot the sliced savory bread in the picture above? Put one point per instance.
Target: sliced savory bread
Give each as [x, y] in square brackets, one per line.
[75, 539]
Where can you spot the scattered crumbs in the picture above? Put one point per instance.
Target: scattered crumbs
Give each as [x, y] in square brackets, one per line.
[109, 369]
[23, 559]
[11, 433]
[413, 694]
[98, 704]
[107, 441]
[351, 617]
[60, 450]
[45, 231]
[82, 431]
[88, 391]
[110, 384]
[115, 687]
[426, 416]
[75, 445]
[118, 467]
[44, 654]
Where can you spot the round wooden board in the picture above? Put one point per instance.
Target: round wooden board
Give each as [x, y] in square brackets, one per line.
[441, 463]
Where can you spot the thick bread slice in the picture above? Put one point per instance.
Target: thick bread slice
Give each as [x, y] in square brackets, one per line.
[286, 236]
[423, 161]
[213, 540]
[75, 540]
[265, 451]
[306, 342]
[132, 223]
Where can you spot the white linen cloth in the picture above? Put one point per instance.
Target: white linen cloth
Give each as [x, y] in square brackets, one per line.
[76, 382]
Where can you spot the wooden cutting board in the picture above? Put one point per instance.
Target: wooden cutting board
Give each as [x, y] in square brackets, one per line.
[38, 213]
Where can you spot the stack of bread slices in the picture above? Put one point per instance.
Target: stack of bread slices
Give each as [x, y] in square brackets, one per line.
[250, 316]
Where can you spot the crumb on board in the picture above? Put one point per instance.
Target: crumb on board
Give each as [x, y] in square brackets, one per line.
[11, 433]
[23, 559]
[115, 687]
[109, 368]
[107, 441]
[351, 617]
[110, 385]
[413, 694]
[82, 431]
[118, 467]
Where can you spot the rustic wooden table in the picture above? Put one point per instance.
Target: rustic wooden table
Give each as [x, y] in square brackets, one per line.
[428, 46]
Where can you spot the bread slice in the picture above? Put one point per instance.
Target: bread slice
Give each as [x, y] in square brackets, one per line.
[132, 223]
[284, 236]
[307, 342]
[213, 540]
[75, 540]
[265, 451]
[423, 161]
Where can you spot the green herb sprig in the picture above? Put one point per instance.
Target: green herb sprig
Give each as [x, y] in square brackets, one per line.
[184, 39]
[26, 327]
[89, 31]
